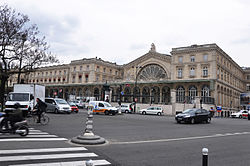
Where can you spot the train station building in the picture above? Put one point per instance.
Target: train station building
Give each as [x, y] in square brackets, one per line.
[192, 76]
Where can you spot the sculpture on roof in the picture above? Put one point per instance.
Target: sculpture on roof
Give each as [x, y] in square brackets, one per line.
[153, 47]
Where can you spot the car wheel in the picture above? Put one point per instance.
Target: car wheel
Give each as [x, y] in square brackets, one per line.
[144, 113]
[192, 121]
[178, 121]
[56, 111]
[240, 116]
[126, 111]
[159, 114]
[208, 120]
[106, 112]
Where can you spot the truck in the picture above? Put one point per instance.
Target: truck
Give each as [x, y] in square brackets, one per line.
[25, 95]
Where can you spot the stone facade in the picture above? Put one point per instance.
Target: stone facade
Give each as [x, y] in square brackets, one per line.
[193, 76]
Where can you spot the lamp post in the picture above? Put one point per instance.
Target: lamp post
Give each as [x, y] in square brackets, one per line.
[24, 38]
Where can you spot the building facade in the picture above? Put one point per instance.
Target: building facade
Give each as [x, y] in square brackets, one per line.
[193, 76]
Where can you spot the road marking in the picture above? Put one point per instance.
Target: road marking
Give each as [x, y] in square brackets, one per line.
[32, 139]
[42, 150]
[38, 133]
[41, 136]
[50, 156]
[180, 139]
[73, 163]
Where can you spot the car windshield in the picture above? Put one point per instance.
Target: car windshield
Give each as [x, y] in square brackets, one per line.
[107, 105]
[71, 104]
[60, 101]
[188, 111]
[18, 97]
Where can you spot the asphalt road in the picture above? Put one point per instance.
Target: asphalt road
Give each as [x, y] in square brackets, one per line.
[146, 140]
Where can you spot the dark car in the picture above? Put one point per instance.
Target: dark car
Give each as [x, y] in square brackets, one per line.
[193, 116]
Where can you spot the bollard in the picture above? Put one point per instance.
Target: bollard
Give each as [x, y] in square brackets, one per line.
[204, 157]
[89, 163]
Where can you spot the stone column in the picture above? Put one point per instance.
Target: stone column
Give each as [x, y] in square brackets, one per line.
[173, 101]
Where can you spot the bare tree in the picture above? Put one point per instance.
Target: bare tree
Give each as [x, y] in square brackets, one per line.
[21, 48]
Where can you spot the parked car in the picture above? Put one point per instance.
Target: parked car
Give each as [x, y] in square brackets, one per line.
[194, 115]
[57, 105]
[125, 108]
[152, 110]
[240, 114]
[73, 106]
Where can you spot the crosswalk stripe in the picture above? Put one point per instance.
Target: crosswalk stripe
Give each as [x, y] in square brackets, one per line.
[41, 136]
[42, 150]
[38, 133]
[32, 139]
[73, 163]
[51, 156]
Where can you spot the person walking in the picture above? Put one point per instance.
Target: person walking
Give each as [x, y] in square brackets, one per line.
[41, 107]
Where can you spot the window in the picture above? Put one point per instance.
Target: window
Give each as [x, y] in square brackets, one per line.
[205, 92]
[60, 72]
[104, 70]
[205, 72]
[80, 68]
[180, 94]
[192, 71]
[86, 78]
[248, 87]
[87, 67]
[80, 79]
[179, 72]
[74, 69]
[98, 68]
[192, 58]
[73, 79]
[97, 78]
[46, 73]
[110, 71]
[205, 57]
[248, 77]
[65, 71]
[55, 73]
[180, 59]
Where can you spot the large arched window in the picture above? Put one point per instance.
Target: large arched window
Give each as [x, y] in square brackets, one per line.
[155, 95]
[96, 94]
[180, 94]
[192, 93]
[145, 95]
[152, 72]
[165, 95]
[80, 92]
[205, 91]
[127, 94]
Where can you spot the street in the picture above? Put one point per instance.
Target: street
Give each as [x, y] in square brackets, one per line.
[139, 140]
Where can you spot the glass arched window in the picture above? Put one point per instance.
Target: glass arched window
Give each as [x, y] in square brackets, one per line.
[192, 93]
[180, 94]
[152, 72]
[145, 95]
[165, 95]
[205, 91]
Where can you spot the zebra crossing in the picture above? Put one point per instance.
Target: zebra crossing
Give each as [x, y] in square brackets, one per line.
[56, 156]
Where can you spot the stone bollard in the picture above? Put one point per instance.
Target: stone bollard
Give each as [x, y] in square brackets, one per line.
[88, 137]
[204, 157]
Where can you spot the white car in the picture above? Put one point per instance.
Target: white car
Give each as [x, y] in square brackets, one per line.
[240, 114]
[152, 110]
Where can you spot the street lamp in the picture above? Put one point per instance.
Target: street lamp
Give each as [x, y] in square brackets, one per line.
[135, 89]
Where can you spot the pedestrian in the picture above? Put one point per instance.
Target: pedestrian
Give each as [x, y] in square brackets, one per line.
[41, 107]
[211, 111]
[107, 99]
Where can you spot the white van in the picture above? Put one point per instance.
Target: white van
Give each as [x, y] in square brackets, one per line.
[103, 107]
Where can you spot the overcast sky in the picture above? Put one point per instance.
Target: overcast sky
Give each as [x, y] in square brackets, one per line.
[123, 30]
